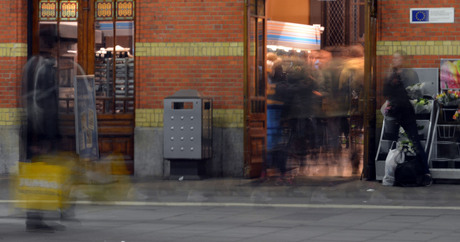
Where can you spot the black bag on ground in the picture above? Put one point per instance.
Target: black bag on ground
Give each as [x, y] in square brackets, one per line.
[409, 173]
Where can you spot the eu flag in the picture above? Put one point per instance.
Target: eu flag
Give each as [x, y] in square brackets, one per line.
[420, 15]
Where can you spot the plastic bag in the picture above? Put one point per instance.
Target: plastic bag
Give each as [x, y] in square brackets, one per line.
[385, 107]
[395, 156]
[422, 106]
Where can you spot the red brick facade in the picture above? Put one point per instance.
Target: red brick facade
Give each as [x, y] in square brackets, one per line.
[13, 37]
[393, 25]
[394, 21]
[190, 21]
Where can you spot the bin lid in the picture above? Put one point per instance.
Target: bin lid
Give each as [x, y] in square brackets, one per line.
[187, 93]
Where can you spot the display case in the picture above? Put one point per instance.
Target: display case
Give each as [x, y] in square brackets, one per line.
[425, 126]
[444, 154]
[425, 121]
[114, 95]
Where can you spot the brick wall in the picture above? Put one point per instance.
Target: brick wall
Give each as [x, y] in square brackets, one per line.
[425, 44]
[13, 55]
[189, 44]
[13, 51]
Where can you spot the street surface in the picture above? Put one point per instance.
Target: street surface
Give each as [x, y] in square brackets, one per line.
[312, 209]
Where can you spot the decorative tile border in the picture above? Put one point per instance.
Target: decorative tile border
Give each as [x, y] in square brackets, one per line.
[419, 47]
[224, 118]
[190, 49]
[149, 117]
[228, 118]
[11, 116]
[13, 49]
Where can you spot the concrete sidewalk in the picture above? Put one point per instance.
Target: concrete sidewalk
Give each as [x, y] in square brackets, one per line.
[314, 190]
[312, 209]
[318, 209]
[303, 190]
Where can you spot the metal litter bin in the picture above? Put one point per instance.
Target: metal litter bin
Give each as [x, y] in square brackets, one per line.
[187, 122]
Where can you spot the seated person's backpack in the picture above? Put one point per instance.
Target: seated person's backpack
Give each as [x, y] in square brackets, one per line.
[409, 173]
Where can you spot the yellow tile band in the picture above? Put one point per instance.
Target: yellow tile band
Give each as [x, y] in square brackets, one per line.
[224, 118]
[13, 49]
[190, 49]
[419, 47]
[11, 116]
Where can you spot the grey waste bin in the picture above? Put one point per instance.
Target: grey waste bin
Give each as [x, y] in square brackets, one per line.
[187, 123]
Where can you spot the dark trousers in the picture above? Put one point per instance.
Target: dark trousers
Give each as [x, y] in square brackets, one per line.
[409, 125]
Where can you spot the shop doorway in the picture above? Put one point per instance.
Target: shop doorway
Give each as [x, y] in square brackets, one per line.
[314, 88]
[94, 38]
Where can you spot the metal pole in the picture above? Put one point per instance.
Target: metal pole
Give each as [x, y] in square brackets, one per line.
[369, 91]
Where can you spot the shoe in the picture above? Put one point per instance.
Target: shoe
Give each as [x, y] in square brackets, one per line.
[427, 180]
[40, 227]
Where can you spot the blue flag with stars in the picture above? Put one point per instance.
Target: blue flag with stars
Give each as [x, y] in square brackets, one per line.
[420, 15]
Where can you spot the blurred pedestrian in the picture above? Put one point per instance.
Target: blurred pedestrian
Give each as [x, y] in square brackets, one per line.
[40, 100]
[298, 93]
[401, 112]
[334, 104]
[351, 84]
[275, 76]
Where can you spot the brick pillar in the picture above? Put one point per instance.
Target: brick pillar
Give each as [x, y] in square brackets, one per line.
[13, 54]
[196, 44]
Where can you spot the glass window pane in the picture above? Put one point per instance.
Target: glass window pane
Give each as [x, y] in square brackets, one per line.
[261, 7]
[260, 57]
[48, 33]
[124, 82]
[252, 7]
[252, 57]
[67, 64]
[103, 69]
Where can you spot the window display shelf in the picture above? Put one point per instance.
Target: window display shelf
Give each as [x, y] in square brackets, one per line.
[120, 88]
[425, 123]
[444, 154]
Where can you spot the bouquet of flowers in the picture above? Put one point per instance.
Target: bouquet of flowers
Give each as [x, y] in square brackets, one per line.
[422, 105]
[406, 143]
[448, 98]
[456, 115]
[415, 91]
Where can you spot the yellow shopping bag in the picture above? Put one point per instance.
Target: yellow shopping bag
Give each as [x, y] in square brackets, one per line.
[44, 183]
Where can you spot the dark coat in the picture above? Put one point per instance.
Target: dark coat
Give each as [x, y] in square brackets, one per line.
[40, 96]
[395, 91]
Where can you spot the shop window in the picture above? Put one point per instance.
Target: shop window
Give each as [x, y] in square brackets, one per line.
[114, 60]
[256, 60]
[57, 28]
[257, 7]
[344, 20]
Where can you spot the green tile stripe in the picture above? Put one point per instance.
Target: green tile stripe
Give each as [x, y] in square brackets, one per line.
[228, 118]
[190, 49]
[149, 117]
[11, 116]
[419, 47]
[224, 118]
[13, 49]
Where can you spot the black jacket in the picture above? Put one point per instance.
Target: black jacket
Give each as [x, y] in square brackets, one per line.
[395, 91]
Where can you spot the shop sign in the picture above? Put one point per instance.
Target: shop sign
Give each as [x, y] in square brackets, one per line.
[69, 10]
[48, 10]
[432, 15]
[104, 10]
[125, 9]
